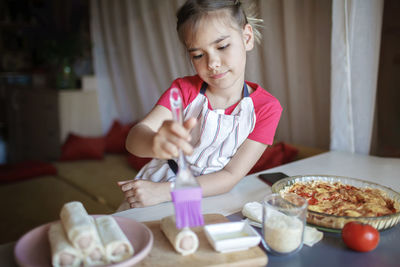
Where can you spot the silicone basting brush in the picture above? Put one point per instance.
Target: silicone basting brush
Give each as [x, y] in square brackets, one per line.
[185, 191]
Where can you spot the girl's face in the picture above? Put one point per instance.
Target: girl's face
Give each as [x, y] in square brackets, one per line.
[218, 52]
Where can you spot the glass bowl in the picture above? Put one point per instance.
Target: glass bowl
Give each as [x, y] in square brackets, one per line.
[334, 223]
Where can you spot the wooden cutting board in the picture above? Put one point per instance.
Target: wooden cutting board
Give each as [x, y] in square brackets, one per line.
[163, 254]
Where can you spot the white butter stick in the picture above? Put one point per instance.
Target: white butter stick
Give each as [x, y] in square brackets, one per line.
[79, 226]
[253, 211]
[185, 241]
[116, 244]
[312, 236]
[62, 252]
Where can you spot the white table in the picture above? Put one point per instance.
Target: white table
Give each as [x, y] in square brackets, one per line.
[330, 251]
[385, 171]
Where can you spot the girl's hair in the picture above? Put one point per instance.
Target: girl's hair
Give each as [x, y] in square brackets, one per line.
[193, 11]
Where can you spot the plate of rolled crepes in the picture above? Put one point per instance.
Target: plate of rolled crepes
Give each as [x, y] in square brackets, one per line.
[79, 239]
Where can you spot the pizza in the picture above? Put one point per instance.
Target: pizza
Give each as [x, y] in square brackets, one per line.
[342, 200]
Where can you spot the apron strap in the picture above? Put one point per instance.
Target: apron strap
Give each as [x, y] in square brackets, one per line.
[203, 88]
[245, 90]
[173, 165]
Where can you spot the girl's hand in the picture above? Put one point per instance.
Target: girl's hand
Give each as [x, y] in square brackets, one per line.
[142, 193]
[171, 137]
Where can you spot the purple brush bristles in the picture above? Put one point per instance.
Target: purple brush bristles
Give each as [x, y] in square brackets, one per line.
[187, 203]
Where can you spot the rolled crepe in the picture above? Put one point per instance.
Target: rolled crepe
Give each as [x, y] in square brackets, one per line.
[62, 252]
[116, 244]
[96, 255]
[79, 227]
[184, 240]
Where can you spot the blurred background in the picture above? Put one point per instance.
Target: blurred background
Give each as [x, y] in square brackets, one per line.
[47, 50]
[92, 68]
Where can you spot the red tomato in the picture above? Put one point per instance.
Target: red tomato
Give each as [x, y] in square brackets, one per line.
[360, 237]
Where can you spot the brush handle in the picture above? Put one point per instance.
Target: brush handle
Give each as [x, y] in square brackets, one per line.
[176, 109]
[184, 177]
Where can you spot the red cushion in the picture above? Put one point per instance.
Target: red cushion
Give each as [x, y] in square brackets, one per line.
[79, 147]
[137, 162]
[24, 170]
[275, 155]
[116, 136]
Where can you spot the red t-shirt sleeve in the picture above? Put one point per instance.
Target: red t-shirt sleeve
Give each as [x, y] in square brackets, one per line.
[189, 87]
[268, 112]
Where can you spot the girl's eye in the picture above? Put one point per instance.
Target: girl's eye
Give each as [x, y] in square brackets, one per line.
[223, 47]
[197, 56]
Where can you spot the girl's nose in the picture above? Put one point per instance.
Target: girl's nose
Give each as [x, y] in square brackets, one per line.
[214, 62]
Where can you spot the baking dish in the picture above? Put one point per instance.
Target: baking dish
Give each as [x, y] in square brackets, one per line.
[333, 223]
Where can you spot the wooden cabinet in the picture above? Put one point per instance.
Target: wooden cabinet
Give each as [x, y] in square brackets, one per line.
[32, 124]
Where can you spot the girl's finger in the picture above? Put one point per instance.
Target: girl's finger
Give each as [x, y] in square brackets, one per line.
[169, 150]
[126, 186]
[190, 123]
[179, 131]
[120, 183]
[186, 147]
[136, 205]
[173, 139]
[174, 143]
[129, 193]
[131, 200]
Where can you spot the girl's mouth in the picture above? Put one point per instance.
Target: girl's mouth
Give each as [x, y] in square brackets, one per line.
[218, 76]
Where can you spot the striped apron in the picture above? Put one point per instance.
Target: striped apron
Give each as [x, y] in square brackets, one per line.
[215, 138]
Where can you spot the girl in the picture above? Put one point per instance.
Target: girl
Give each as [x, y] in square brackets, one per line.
[229, 121]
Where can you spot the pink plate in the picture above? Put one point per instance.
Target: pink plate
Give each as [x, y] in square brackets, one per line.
[33, 249]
